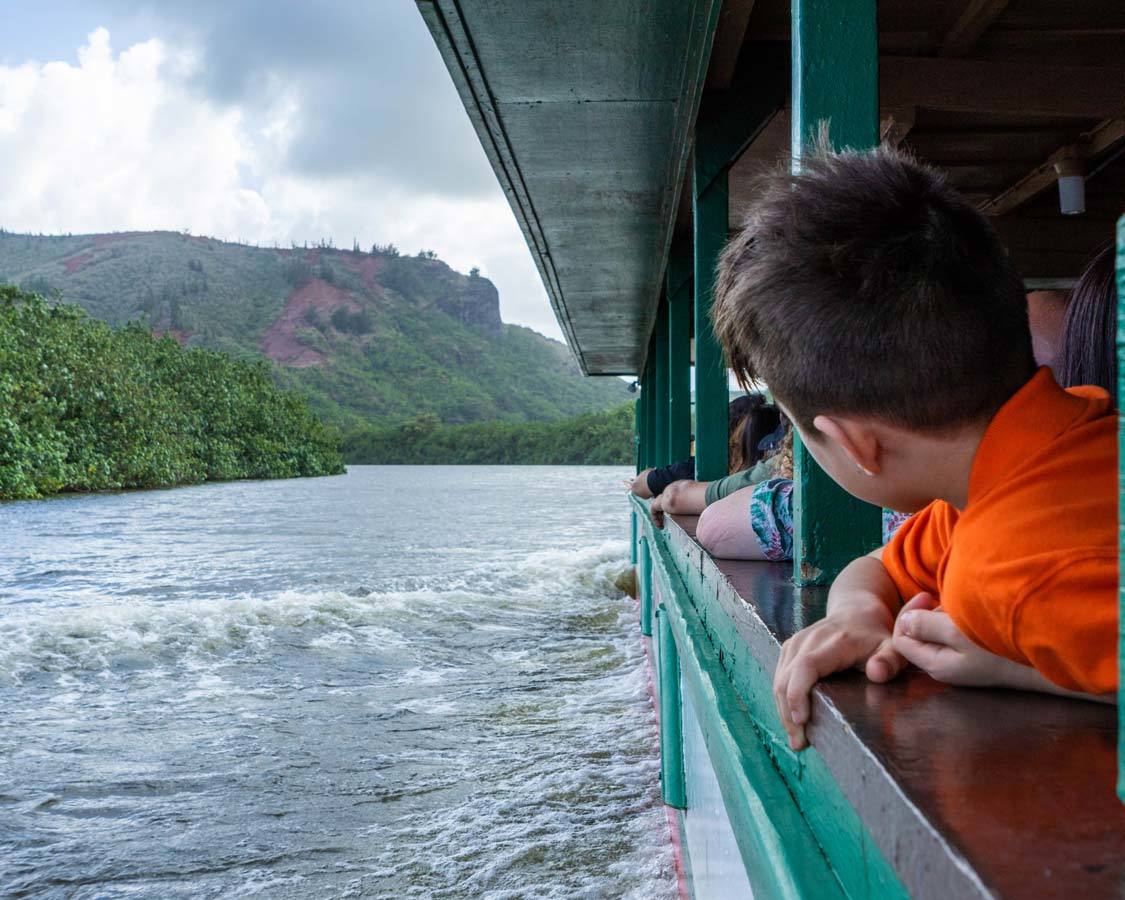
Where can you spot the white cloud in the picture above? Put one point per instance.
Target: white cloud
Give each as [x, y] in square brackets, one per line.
[123, 142]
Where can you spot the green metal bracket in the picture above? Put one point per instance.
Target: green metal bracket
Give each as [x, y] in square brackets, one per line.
[1121, 496]
[644, 587]
[679, 353]
[672, 782]
[835, 83]
[709, 221]
[660, 361]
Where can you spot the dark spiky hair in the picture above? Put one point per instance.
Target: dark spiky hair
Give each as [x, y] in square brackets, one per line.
[867, 285]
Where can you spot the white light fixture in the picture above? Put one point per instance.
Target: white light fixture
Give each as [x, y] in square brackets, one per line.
[1072, 187]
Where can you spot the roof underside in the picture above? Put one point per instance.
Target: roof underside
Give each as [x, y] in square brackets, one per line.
[584, 109]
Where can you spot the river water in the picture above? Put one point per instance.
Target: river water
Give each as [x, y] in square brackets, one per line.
[401, 682]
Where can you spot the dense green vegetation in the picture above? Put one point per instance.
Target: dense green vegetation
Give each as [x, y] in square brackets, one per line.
[372, 338]
[86, 407]
[604, 438]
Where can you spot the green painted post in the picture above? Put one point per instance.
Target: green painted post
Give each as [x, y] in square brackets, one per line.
[633, 539]
[1121, 497]
[660, 348]
[646, 405]
[835, 81]
[709, 224]
[650, 381]
[672, 780]
[644, 586]
[678, 286]
[638, 430]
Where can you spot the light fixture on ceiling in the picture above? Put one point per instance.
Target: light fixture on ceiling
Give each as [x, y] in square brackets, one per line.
[1072, 186]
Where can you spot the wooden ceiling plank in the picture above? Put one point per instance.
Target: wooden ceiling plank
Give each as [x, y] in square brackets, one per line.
[1039, 89]
[970, 25]
[1090, 145]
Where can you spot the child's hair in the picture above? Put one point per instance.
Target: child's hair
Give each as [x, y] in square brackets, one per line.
[1088, 349]
[750, 420]
[867, 285]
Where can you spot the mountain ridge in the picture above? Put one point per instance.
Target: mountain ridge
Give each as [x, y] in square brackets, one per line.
[372, 337]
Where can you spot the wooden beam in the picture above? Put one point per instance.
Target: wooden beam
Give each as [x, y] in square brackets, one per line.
[895, 125]
[1031, 89]
[729, 33]
[970, 25]
[1089, 146]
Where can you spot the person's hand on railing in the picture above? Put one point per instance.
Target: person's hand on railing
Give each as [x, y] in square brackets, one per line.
[656, 510]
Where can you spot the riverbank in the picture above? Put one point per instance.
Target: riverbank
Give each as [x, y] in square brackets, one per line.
[594, 439]
[85, 407]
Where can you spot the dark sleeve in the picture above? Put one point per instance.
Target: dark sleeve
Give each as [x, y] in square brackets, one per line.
[658, 479]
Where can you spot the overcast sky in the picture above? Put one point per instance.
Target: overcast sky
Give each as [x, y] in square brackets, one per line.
[250, 120]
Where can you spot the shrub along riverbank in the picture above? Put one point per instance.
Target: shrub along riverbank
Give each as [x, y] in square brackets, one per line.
[594, 439]
[86, 407]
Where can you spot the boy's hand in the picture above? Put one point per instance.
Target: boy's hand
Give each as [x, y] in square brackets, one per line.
[656, 510]
[926, 636]
[858, 635]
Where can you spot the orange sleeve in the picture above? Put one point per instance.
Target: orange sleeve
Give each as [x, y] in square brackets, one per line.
[1066, 625]
[913, 555]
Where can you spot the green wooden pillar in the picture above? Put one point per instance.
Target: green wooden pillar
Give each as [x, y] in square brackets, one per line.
[648, 389]
[644, 586]
[1121, 496]
[638, 427]
[660, 356]
[709, 224]
[672, 781]
[835, 81]
[678, 286]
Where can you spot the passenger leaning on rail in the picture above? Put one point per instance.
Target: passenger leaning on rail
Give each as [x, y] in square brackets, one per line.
[749, 420]
[881, 309]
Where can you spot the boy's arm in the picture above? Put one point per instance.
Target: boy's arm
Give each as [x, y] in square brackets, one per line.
[856, 631]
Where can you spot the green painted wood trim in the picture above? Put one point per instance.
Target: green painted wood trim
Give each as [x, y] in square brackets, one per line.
[709, 225]
[810, 789]
[679, 353]
[660, 364]
[632, 538]
[672, 784]
[1121, 495]
[782, 856]
[644, 584]
[835, 82]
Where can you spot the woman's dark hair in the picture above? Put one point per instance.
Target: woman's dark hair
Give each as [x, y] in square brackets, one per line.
[1088, 351]
[750, 419]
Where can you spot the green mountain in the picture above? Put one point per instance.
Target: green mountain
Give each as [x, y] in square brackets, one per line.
[370, 337]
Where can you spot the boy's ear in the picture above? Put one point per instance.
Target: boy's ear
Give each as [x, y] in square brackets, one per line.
[855, 437]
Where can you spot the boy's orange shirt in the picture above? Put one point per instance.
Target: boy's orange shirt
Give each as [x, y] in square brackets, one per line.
[1028, 570]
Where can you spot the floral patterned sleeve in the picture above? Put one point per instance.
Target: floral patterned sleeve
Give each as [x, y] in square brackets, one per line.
[771, 517]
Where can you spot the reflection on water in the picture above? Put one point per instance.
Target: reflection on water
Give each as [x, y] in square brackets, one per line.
[400, 682]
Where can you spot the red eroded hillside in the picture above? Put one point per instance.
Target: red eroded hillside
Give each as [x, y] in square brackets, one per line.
[280, 343]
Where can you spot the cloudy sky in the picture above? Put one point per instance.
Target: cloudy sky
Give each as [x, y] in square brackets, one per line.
[257, 121]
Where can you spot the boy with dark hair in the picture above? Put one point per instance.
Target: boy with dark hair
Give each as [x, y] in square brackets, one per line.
[882, 311]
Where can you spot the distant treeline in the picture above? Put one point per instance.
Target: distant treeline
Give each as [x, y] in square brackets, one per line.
[87, 407]
[604, 438]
